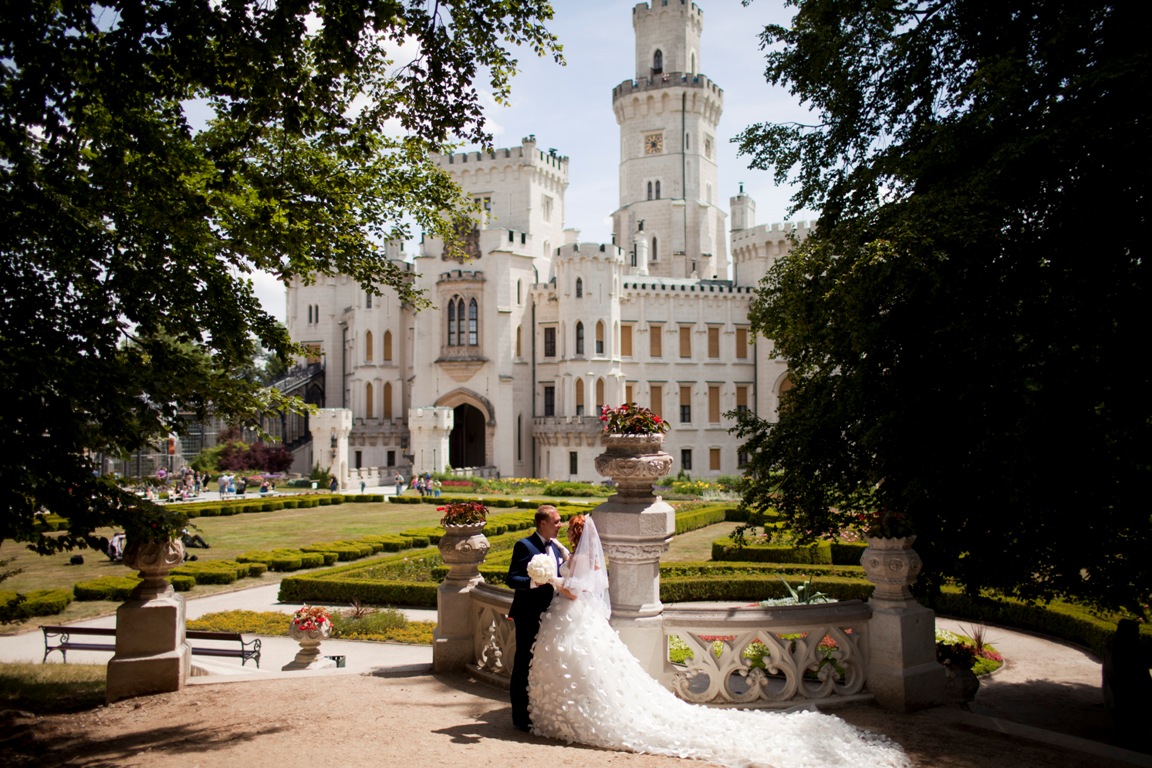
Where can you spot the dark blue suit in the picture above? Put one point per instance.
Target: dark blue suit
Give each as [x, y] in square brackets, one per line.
[527, 606]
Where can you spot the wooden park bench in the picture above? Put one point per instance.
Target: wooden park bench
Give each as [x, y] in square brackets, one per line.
[62, 638]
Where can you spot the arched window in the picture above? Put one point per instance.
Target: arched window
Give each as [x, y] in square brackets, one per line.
[579, 288]
[599, 337]
[369, 401]
[519, 288]
[579, 397]
[368, 346]
[452, 323]
[388, 346]
[368, 302]
[309, 314]
[473, 323]
[460, 320]
[599, 395]
[579, 338]
[649, 190]
[519, 336]
[658, 61]
[657, 189]
[692, 65]
[387, 399]
[655, 251]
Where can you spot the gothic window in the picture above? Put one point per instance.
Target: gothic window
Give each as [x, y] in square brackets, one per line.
[368, 302]
[657, 189]
[387, 399]
[579, 338]
[579, 397]
[452, 323]
[599, 395]
[649, 190]
[599, 337]
[519, 289]
[519, 335]
[460, 337]
[658, 62]
[473, 323]
[309, 314]
[387, 346]
[369, 401]
[655, 251]
[368, 346]
[579, 288]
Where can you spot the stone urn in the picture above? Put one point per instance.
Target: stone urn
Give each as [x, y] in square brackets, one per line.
[962, 684]
[308, 657]
[634, 463]
[154, 560]
[892, 565]
[463, 548]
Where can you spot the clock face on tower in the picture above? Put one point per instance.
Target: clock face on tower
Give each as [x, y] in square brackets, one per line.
[653, 143]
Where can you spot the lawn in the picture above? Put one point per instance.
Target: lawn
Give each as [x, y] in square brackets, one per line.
[230, 536]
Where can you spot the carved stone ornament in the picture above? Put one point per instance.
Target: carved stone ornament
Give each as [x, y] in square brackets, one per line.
[634, 462]
[892, 565]
[639, 552]
[153, 559]
[464, 548]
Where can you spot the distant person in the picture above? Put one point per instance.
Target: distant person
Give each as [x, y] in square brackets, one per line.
[399, 483]
[333, 485]
[363, 485]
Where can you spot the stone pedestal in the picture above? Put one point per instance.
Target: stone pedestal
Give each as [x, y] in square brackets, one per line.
[463, 548]
[152, 654]
[330, 428]
[903, 672]
[635, 527]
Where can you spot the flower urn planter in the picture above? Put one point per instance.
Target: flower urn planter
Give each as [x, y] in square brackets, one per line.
[892, 565]
[308, 657]
[463, 548]
[634, 463]
[154, 560]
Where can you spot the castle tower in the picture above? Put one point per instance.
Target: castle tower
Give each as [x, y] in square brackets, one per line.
[668, 115]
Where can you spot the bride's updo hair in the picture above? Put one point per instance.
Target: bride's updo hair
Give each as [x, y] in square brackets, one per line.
[575, 530]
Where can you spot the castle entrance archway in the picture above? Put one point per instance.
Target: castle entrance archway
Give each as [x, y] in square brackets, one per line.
[467, 442]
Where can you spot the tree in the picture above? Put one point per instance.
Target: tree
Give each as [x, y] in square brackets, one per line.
[963, 329]
[130, 232]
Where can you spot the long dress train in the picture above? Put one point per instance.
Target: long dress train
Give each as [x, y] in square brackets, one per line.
[586, 686]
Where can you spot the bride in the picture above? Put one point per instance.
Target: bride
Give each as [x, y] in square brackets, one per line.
[586, 686]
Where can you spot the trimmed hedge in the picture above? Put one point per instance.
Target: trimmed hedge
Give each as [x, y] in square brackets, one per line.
[38, 602]
[116, 588]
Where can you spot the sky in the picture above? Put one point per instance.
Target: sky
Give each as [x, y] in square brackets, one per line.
[569, 108]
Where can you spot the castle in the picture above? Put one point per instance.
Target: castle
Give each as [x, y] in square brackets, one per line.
[527, 340]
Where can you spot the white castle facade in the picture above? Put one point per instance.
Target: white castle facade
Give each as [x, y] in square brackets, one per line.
[527, 340]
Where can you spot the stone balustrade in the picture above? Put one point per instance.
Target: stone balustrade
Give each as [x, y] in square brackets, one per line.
[810, 653]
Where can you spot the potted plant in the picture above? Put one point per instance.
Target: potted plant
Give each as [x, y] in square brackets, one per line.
[464, 545]
[459, 513]
[631, 419]
[634, 457]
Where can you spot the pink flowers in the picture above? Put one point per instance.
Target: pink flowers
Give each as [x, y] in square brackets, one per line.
[631, 419]
[311, 618]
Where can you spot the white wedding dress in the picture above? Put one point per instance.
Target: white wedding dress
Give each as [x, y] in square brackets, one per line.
[586, 686]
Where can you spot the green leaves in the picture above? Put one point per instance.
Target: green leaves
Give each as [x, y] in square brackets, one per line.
[130, 233]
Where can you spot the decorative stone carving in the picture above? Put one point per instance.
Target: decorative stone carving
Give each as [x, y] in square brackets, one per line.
[634, 462]
[638, 552]
[308, 657]
[892, 565]
[464, 548]
[153, 559]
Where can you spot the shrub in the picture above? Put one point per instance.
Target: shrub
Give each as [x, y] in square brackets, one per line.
[116, 588]
[38, 602]
[818, 553]
[182, 583]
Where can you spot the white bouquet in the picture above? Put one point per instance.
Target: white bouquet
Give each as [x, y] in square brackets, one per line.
[542, 569]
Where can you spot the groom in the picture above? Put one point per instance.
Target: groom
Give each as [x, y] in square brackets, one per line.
[528, 605]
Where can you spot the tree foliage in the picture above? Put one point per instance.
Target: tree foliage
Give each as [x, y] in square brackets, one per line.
[131, 231]
[963, 329]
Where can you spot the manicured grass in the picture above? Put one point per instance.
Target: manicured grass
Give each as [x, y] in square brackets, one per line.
[51, 688]
[383, 625]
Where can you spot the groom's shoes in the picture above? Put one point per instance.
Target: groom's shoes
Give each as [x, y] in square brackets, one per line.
[526, 727]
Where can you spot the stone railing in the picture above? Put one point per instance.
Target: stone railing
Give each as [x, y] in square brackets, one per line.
[809, 653]
[494, 634]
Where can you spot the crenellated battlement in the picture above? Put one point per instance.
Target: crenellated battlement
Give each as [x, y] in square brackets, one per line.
[642, 10]
[773, 233]
[590, 251]
[525, 154]
[668, 80]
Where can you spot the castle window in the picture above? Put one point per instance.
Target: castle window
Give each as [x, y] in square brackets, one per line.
[452, 323]
[579, 338]
[741, 399]
[579, 397]
[549, 401]
[599, 337]
[657, 392]
[579, 288]
[713, 342]
[741, 343]
[546, 208]
[657, 189]
[573, 462]
[649, 190]
[658, 62]
[550, 342]
[686, 459]
[655, 251]
[626, 341]
[473, 323]
[368, 346]
[655, 340]
[686, 341]
[369, 401]
[368, 302]
[685, 403]
[599, 395]
[388, 346]
[714, 404]
[714, 459]
[519, 335]
[387, 399]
